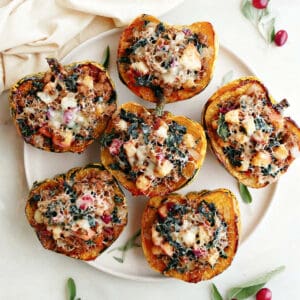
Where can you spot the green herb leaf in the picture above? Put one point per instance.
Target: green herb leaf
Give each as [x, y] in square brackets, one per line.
[245, 194]
[222, 130]
[227, 77]
[71, 289]
[252, 287]
[215, 293]
[260, 18]
[105, 58]
[131, 243]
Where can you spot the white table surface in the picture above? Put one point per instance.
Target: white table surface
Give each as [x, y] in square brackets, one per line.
[29, 272]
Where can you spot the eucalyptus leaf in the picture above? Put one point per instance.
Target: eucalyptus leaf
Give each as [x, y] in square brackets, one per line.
[71, 289]
[245, 194]
[118, 259]
[105, 58]
[215, 294]
[227, 77]
[252, 287]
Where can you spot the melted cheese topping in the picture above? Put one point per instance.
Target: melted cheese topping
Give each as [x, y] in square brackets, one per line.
[167, 56]
[254, 136]
[82, 209]
[185, 233]
[67, 101]
[149, 150]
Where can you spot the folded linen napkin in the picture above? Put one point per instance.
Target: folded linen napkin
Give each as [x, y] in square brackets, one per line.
[31, 30]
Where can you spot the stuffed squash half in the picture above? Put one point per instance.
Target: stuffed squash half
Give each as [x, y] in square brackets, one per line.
[151, 155]
[79, 213]
[192, 237]
[64, 109]
[249, 134]
[159, 61]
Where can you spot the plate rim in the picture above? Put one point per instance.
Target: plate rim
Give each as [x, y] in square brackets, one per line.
[159, 277]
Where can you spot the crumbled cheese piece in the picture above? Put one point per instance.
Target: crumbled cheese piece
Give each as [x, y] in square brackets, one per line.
[164, 168]
[191, 58]
[143, 183]
[68, 101]
[188, 140]
[189, 238]
[261, 159]
[38, 217]
[213, 256]
[140, 67]
[232, 116]
[46, 98]
[280, 152]
[249, 125]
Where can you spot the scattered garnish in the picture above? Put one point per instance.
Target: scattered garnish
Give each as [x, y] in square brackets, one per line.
[131, 243]
[245, 194]
[215, 294]
[264, 294]
[258, 14]
[252, 287]
[260, 4]
[71, 287]
[227, 77]
[280, 38]
[105, 58]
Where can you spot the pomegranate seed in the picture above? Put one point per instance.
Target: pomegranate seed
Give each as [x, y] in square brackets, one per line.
[264, 294]
[260, 4]
[115, 146]
[280, 38]
[106, 218]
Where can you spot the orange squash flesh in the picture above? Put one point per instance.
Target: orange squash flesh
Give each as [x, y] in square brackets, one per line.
[166, 185]
[231, 92]
[227, 208]
[202, 30]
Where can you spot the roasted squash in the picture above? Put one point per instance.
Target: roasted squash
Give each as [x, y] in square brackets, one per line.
[248, 133]
[152, 155]
[79, 213]
[193, 237]
[159, 62]
[64, 109]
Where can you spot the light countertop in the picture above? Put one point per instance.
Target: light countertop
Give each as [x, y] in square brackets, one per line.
[29, 272]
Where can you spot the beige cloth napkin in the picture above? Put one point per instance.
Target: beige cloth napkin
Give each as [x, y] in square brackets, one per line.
[31, 30]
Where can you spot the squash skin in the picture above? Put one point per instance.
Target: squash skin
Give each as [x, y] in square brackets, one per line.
[101, 242]
[24, 84]
[234, 88]
[193, 128]
[147, 93]
[227, 206]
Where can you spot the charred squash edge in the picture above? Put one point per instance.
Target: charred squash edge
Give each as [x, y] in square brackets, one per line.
[147, 93]
[47, 241]
[36, 76]
[212, 137]
[224, 200]
[199, 133]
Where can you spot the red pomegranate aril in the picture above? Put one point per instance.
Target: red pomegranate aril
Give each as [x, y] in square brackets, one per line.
[280, 38]
[264, 294]
[260, 4]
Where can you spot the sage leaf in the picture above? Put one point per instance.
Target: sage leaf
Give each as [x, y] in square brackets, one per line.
[266, 28]
[131, 243]
[260, 18]
[245, 194]
[222, 129]
[105, 58]
[215, 293]
[71, 289]
[250, 288]
[227, 77]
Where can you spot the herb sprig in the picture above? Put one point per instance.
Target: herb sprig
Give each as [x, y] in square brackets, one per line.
[262, 19]
[247, 289]
[131, 243]
[71, 288]
[105, 58]
[245, 194]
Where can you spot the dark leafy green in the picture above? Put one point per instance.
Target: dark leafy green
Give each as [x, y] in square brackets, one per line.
[25, 129]
[261, 124]
[234, 155]
[107, 138]
[140, 43]
[222, 129]
[160, 28]
[195, 40]
[245, 194]
[71, 83]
